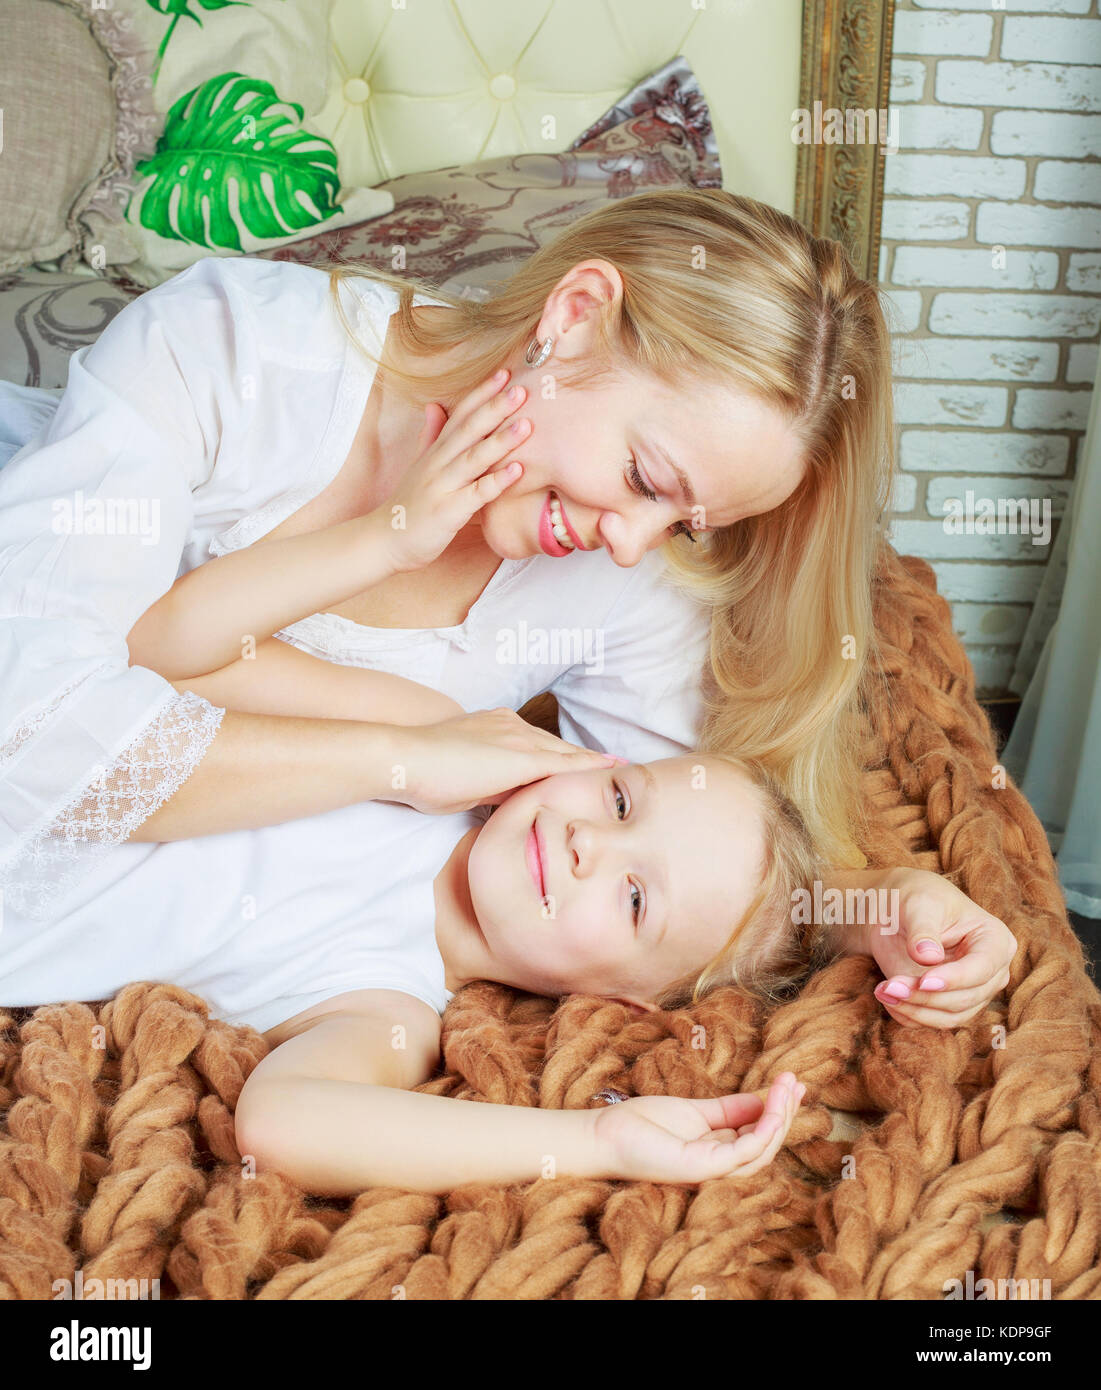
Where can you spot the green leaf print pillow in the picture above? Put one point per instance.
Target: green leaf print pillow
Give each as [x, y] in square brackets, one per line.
[239, 165]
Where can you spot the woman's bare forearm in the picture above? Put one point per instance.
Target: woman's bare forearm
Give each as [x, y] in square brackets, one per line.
[863, 905]
[336, 1138]
[263, 769]
[205, 620]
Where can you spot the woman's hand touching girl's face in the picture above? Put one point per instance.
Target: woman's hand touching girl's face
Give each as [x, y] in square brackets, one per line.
[479, 759]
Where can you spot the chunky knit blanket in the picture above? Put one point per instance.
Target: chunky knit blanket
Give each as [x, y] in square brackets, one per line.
[919, 1155]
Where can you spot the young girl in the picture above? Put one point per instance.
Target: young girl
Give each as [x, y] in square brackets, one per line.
[343, 937]
[621, 883]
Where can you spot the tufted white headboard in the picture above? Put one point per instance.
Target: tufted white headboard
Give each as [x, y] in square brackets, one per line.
[425, 84]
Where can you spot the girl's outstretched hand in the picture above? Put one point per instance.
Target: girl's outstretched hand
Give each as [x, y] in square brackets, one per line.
[478, 759]
[461, 466]
[667, 1139]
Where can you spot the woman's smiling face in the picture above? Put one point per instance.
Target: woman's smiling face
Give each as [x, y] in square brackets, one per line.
[619, 466]
[616, 882]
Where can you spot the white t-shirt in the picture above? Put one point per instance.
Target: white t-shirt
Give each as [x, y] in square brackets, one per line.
[210, 409]
[262, 924]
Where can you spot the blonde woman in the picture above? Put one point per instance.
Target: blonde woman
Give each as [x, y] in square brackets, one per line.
[686, 361]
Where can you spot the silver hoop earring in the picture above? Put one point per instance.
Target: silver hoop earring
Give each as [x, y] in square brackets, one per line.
[536, 355]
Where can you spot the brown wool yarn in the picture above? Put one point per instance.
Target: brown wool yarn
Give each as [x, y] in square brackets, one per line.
[919, 1153]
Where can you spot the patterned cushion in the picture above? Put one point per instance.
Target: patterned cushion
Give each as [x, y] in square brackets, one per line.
[462, 228]
[45, 316]
[216, 149]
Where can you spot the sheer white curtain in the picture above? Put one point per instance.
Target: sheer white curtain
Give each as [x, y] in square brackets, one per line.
[1054, 752]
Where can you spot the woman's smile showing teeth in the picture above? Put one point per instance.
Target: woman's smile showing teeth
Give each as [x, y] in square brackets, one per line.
[555, 536]
[558, 526]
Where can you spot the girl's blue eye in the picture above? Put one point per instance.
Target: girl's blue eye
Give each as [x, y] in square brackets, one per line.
[636, 481]
[622, 807]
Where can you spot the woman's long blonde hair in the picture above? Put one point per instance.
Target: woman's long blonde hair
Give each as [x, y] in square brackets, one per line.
[722, 289]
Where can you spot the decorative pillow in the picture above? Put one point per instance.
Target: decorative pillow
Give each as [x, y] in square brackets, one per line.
[463, 229]
[46, 315]
[56, 135]
[233, 86]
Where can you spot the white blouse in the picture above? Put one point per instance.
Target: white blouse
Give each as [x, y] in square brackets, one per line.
[209, 410]
[261, 924]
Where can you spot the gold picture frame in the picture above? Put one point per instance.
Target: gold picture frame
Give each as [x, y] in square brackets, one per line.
[846, 66]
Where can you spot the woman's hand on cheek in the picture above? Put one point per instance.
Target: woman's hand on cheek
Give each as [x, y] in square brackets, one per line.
[947, 957]
[479, 759]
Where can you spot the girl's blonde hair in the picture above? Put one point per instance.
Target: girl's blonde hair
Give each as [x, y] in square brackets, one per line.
[767, 951]
[724, 290]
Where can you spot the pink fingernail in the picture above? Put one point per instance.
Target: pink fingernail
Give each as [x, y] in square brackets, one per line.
[927, 944]
[931, 982]
[895, 990]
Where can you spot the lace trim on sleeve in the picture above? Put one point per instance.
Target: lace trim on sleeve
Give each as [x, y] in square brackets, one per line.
[31, 725]
[111, 807]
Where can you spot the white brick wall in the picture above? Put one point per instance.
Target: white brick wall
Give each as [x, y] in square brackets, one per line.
[991, 276]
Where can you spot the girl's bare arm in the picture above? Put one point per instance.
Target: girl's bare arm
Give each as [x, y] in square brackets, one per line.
[331, 1108]
[201, 624]
[336, 1138]
[300, 736]
[281, 679]
[328, 1109]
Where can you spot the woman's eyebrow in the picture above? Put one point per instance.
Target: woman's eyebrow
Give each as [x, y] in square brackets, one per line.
[680, 474]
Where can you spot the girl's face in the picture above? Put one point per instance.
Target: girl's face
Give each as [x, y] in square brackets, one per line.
[615, 882]
[621, 465]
